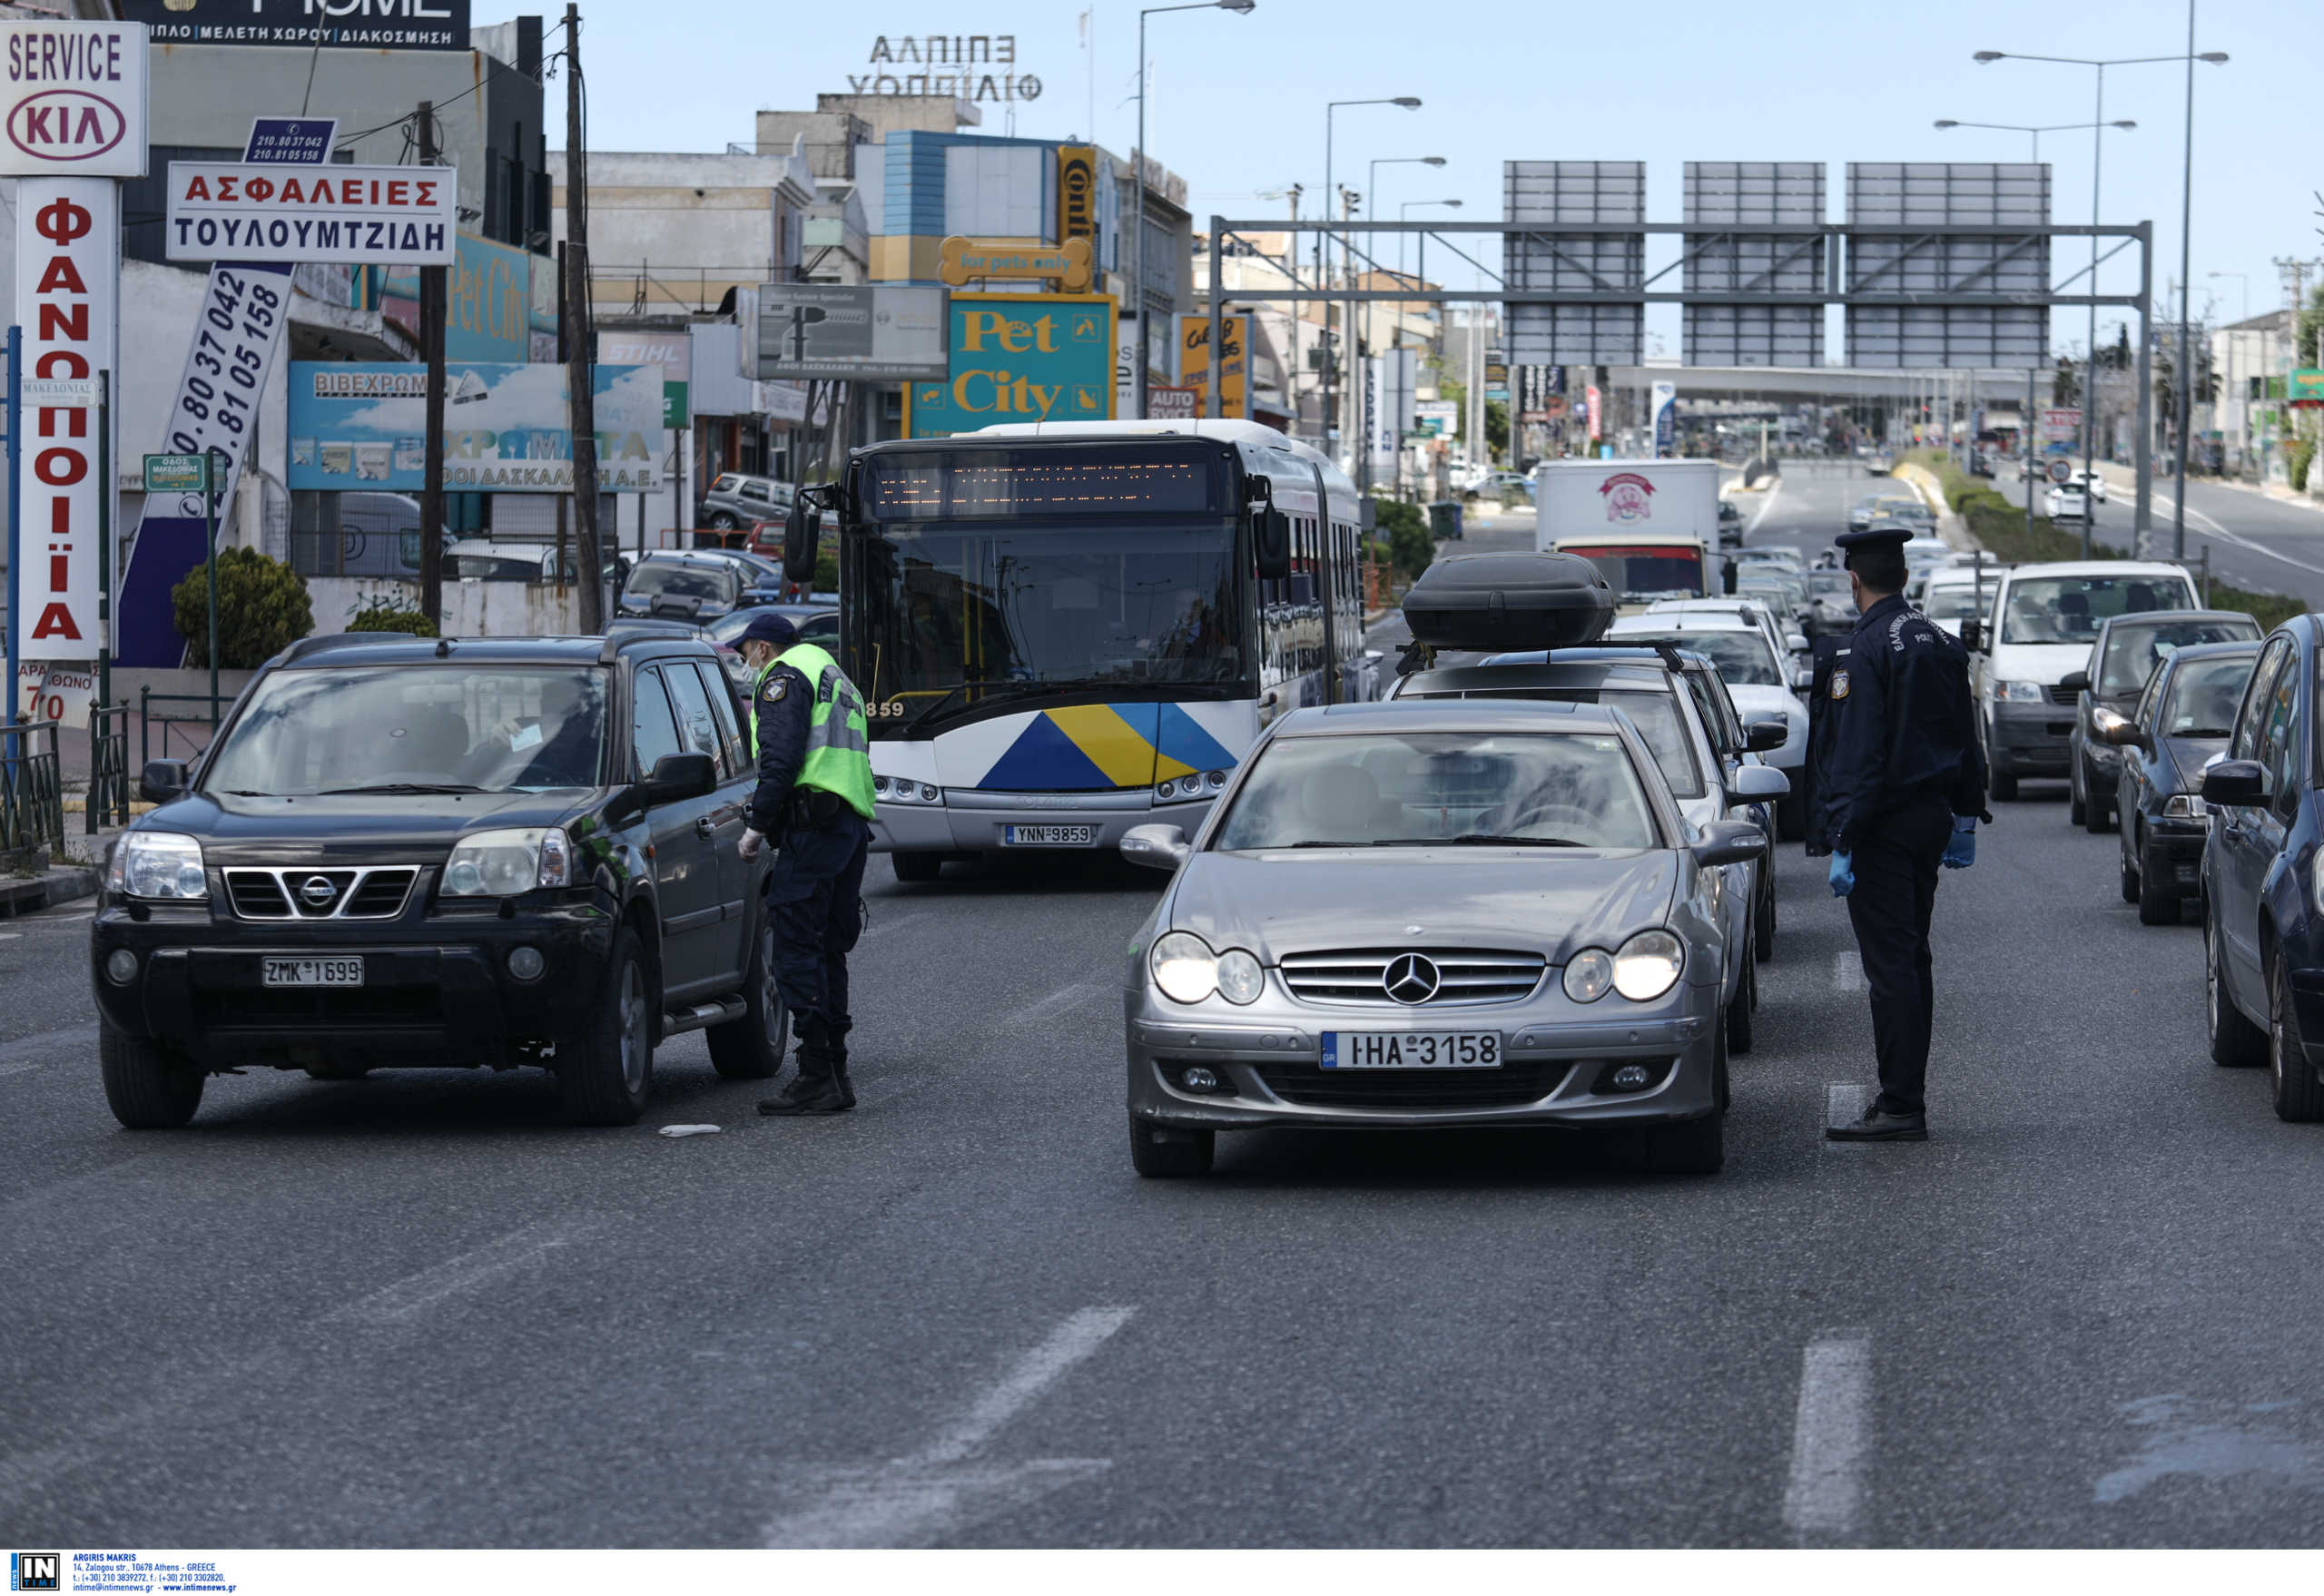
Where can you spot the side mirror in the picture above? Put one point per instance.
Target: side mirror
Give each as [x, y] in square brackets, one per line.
[1803, 681]
[1973, 636]
[2235, 784]
[1765, 736]
[677, 777]
[801, 539]
[1271, 542]
[1730, 841]
[1757, 784]
[162, 780]
[2118, 729]
[2075, 682]
[1157, 847]
[1795, 641]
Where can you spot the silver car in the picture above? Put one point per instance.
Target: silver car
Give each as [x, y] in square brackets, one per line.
[1436, 912]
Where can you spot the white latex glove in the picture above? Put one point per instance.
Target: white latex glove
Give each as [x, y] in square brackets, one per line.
[751, 843]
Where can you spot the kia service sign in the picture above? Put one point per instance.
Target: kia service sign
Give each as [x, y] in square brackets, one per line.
[71, 98]
[355, 215]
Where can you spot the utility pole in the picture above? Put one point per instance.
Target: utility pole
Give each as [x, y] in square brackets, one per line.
[431, 350]
[579, 354]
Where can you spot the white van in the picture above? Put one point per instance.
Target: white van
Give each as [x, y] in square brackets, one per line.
[2038, 631]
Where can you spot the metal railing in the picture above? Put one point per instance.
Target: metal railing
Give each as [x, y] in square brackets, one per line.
[172, 737]
[668, 290]
[32, 794]
[108, 800]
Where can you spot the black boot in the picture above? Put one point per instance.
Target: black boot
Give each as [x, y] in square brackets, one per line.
[835, 1049]
[816, 1090]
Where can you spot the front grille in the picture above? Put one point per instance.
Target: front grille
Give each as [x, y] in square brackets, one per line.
[1506, 1087]
[361, 893]
[2064, 695]
[277, 1006]
[1464, 975]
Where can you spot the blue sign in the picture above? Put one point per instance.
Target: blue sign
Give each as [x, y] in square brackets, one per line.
[1019, 358]
[362, 427]
[296, 140]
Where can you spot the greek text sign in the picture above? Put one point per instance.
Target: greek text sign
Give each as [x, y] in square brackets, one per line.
[73, 99]
[372, 25]
[507, 427]
[357, 215]
[958, 65]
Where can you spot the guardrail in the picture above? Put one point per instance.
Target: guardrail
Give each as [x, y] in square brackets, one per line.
[170, 722]
[32, 793]
[108, 800]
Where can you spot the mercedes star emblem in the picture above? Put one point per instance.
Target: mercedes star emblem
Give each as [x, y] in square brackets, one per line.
[1409, 979]
[318, 889]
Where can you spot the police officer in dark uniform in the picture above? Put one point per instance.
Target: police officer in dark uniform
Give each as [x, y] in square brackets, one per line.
[1901, 793]
[814, 802]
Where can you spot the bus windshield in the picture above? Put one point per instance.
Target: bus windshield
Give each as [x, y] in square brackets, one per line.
[945, 610]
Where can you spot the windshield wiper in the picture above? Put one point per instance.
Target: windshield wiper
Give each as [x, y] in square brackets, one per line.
[420, 789]
[1482, 837]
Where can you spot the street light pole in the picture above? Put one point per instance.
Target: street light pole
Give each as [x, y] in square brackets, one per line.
[1323, 279]
[1137, 181]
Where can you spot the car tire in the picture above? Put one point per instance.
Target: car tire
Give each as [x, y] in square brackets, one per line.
[2077, 811]
[1763, 923]
[606, 1073]
[149, 1086]
[2157, 892]
[2298, 1094]
[2131, 881]
[1691, 1146]
[2098, 815]
[750, 1048]
[1171, 1161]
[724, 522]
[1738, 1025]
[2236, 1042]
[916, 869]
[1719, 1072]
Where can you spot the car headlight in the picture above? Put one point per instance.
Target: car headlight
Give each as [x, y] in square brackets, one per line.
[502, 864]
[2018, 693]
[158, 864]
[1648, 965]
[1588, 974]
[2184, 806]
[1240, 978]
[1185, 968]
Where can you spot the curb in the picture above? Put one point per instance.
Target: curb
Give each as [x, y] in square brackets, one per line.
[48, 890]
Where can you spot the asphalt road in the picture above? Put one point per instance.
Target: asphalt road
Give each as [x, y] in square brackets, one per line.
[2258, 543]
[418, 1310]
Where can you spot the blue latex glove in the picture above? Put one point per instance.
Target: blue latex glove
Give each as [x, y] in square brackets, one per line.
[1962, 852]
[1843, 876]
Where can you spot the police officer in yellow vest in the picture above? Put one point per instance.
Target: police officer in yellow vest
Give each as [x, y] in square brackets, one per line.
[814, 801]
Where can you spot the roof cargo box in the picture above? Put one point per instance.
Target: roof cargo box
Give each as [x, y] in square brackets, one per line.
[1509, 601]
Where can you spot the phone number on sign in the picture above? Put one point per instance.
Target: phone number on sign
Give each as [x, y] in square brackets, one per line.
[232, 344]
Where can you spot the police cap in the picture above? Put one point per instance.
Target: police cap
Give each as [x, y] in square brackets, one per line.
[768, 626]
[1873, 540]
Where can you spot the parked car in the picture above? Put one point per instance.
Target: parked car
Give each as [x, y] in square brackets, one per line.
[2043, 619]
[2127, 649]
[2066, 501]
[2179, 723]
[689, 585]
[2263, 912]
[1784, 641]
[505, 852]
[735, 501]
[1598, 1007]
[2094, 483]
[377, 535]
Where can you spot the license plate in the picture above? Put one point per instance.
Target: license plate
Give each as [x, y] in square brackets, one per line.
[1412, 1050]
[312, 972]
[1049, 836]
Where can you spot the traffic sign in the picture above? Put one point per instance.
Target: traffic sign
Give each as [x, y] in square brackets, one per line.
[2060, 471]
[177, 473]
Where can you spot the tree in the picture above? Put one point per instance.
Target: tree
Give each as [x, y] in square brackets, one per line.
[1410, 546]
[263, 609]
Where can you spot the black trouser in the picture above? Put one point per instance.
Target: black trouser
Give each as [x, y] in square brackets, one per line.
[814, 901]
[1896, 859]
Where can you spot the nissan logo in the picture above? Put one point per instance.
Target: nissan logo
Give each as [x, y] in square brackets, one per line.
[1409, 979]
[319, 891]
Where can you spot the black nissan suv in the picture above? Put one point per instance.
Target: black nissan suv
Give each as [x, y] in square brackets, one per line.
[474, 851]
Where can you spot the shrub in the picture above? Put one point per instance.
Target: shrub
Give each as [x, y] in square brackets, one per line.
[1410, 546]
[391, 614]
[2297, 460]
[263, 609]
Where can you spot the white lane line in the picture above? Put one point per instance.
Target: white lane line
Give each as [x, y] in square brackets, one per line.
[1057, 1001]
[27, 1054]
[1847, 970]
[1765, 505]
[2165, 502]
[408, 1297]
[1831, 1439]
[944, 1487]
[1844, 1104]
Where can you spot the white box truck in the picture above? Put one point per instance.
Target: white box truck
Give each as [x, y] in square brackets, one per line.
[1650, 526]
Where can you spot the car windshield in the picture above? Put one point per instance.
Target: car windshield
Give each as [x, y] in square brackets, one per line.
[1953, 603]
[2067, 609]
[667, 578]
[2134, 652]
[1654, 713]
[415, 729]
[1571, 789]
[1742, 657]
[2204, 696]
[1821, 583]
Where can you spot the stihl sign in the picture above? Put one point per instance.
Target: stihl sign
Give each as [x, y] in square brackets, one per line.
[73, 99]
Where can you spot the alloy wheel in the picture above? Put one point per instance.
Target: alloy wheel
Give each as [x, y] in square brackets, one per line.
[634, 1051]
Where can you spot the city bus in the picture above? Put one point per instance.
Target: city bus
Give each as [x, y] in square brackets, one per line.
[1065, 629]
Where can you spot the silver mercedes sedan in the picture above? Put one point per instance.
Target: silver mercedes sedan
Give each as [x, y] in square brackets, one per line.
[1423, 913]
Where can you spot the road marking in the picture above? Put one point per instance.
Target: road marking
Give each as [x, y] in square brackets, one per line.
[1765, 505]
[2167, 502]
[1847, 970]
[1831, 1439]
[942, 1487]
[1057, 1001]
[408, 1297]
[29, 1053]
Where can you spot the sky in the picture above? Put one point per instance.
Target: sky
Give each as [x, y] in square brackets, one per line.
[1237, 102]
